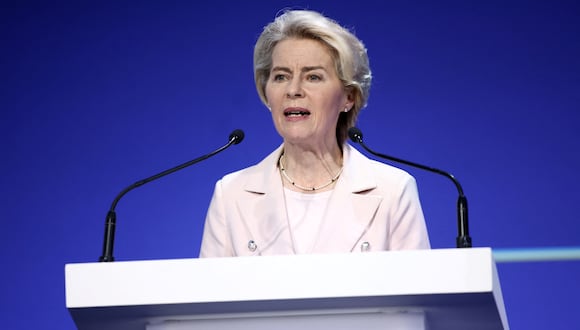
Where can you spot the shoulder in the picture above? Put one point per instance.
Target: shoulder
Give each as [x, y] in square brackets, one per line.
[256, 176]
[361, 166]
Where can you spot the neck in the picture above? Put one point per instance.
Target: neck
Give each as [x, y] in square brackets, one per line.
[306, 170]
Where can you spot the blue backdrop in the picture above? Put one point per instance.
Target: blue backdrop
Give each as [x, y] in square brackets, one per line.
[95, 96]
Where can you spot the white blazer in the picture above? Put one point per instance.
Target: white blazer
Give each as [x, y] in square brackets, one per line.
[373, 207]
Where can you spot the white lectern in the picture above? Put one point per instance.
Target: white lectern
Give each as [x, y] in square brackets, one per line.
[424, 289]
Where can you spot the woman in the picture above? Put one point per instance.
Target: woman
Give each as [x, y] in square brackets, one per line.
[315, 193]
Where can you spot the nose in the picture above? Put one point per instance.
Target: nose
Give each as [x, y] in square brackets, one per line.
[294, 89]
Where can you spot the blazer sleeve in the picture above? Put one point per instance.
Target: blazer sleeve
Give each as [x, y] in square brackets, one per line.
[216, 241]
[408, 230]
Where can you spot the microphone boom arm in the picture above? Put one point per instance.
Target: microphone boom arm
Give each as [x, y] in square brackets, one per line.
[110, 222]
[463, 239]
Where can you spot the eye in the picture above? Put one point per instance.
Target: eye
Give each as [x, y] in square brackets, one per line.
[279, 77]
[314, 77]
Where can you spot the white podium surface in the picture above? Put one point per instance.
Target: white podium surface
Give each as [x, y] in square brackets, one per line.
[424, 289]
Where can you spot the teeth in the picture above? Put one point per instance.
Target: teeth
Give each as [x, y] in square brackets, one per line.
[297, 113]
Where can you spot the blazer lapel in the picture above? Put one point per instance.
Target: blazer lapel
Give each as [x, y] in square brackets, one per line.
[350, 212]
[262, 208]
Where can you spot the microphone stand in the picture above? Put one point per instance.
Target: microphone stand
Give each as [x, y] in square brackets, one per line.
[463, 239]
[110, 222]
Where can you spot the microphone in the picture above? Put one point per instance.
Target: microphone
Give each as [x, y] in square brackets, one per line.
[463, 239]
[110, 222]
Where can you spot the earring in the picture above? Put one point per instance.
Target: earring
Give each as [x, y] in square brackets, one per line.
[346, 109]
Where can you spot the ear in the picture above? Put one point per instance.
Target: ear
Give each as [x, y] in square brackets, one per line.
[350, 98]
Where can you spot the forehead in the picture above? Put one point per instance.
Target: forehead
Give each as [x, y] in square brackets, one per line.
[301, 52]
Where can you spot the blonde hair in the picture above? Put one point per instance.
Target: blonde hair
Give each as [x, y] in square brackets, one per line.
[348, 52]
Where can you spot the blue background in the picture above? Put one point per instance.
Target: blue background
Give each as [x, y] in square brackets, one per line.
[95, 96]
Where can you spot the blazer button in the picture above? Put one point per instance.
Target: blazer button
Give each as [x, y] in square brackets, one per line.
[365, 246]
[252, 246]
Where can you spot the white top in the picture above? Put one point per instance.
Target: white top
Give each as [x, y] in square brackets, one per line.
[305, 215]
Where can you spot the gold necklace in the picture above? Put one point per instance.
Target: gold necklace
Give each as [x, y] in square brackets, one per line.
[292, 182]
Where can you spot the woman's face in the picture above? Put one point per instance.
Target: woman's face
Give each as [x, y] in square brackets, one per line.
[304, 92]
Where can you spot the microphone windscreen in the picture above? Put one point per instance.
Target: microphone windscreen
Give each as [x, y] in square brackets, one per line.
[355, 134]
[237, 136]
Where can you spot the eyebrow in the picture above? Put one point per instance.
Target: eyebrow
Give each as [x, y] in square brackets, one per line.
[304, 69]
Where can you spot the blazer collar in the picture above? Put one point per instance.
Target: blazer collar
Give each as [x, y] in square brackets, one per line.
[340, 232]
[264, 177]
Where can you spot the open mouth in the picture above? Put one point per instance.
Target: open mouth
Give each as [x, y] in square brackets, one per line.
[296, 112]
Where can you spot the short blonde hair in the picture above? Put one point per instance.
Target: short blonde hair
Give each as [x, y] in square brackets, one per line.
[348, 52]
